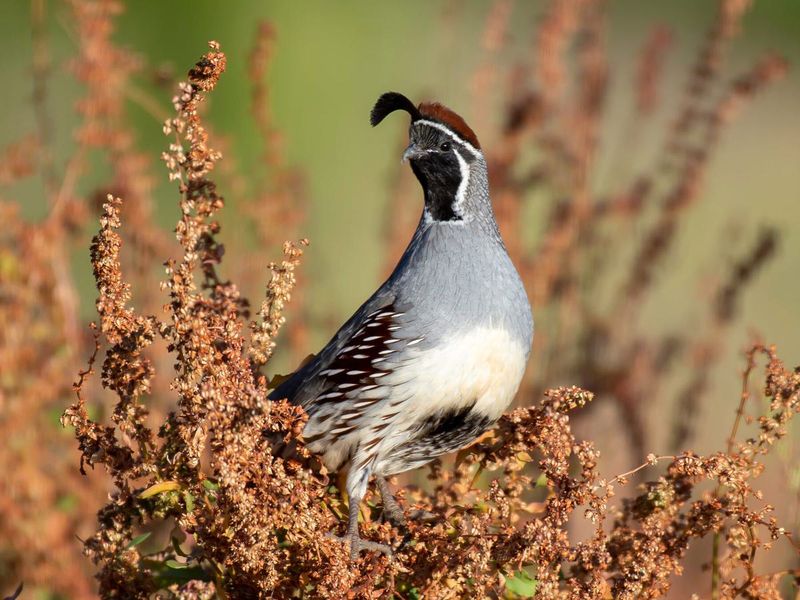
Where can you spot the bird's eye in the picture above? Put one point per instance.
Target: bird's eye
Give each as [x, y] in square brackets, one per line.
[445, 147]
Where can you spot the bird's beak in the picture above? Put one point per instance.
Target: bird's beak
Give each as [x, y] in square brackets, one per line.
[411, 152]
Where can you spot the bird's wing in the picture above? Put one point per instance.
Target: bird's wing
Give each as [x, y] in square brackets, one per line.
[330, 368]
[361, 387]
[372, 352]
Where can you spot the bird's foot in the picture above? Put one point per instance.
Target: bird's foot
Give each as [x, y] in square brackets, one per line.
[357, 545]
[392, 513]
[425, 516]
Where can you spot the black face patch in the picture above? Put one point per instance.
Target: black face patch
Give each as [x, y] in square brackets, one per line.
[437, 167]
[440, 175]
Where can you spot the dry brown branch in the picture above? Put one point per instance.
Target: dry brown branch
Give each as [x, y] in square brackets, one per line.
[201, 485]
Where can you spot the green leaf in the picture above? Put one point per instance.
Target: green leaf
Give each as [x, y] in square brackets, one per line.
[139, 539]
[171, 572]
[159, 488]
[174, 564]
[210, 485]
[522, 585]
[408, 591]
[189, 501]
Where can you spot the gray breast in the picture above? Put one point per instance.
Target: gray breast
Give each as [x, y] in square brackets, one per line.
[459, 276]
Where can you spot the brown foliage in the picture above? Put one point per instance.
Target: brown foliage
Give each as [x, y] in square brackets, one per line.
[203, 504]
[258, 522]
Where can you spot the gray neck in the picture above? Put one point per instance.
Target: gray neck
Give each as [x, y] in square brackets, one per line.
[461, 268]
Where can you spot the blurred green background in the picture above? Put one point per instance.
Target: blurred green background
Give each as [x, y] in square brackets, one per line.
[333, 60]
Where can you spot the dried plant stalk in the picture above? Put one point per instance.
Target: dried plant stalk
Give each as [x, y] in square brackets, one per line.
[213, 493]
[258, 518]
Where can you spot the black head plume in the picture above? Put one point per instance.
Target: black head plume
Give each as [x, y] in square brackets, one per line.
[390, 102]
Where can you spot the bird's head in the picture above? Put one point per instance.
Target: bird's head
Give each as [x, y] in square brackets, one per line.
[444, 154]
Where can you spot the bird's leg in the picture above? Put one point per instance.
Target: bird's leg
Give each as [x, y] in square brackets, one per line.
[391, 509]
[352, 537]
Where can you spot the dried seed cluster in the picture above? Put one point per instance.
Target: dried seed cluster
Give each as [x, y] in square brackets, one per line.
[253, 520]
[212, 493]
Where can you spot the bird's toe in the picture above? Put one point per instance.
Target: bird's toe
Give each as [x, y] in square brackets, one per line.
[357, 545]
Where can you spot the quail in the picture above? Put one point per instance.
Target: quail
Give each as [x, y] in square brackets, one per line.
[432, 359]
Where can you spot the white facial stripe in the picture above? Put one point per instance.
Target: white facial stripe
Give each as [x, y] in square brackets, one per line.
[446, 130]
[461, 192]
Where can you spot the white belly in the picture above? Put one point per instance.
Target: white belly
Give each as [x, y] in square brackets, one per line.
[483, 367]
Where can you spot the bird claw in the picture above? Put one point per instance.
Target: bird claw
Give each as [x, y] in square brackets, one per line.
[424, 516]
[395, 516]
[357, 545]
